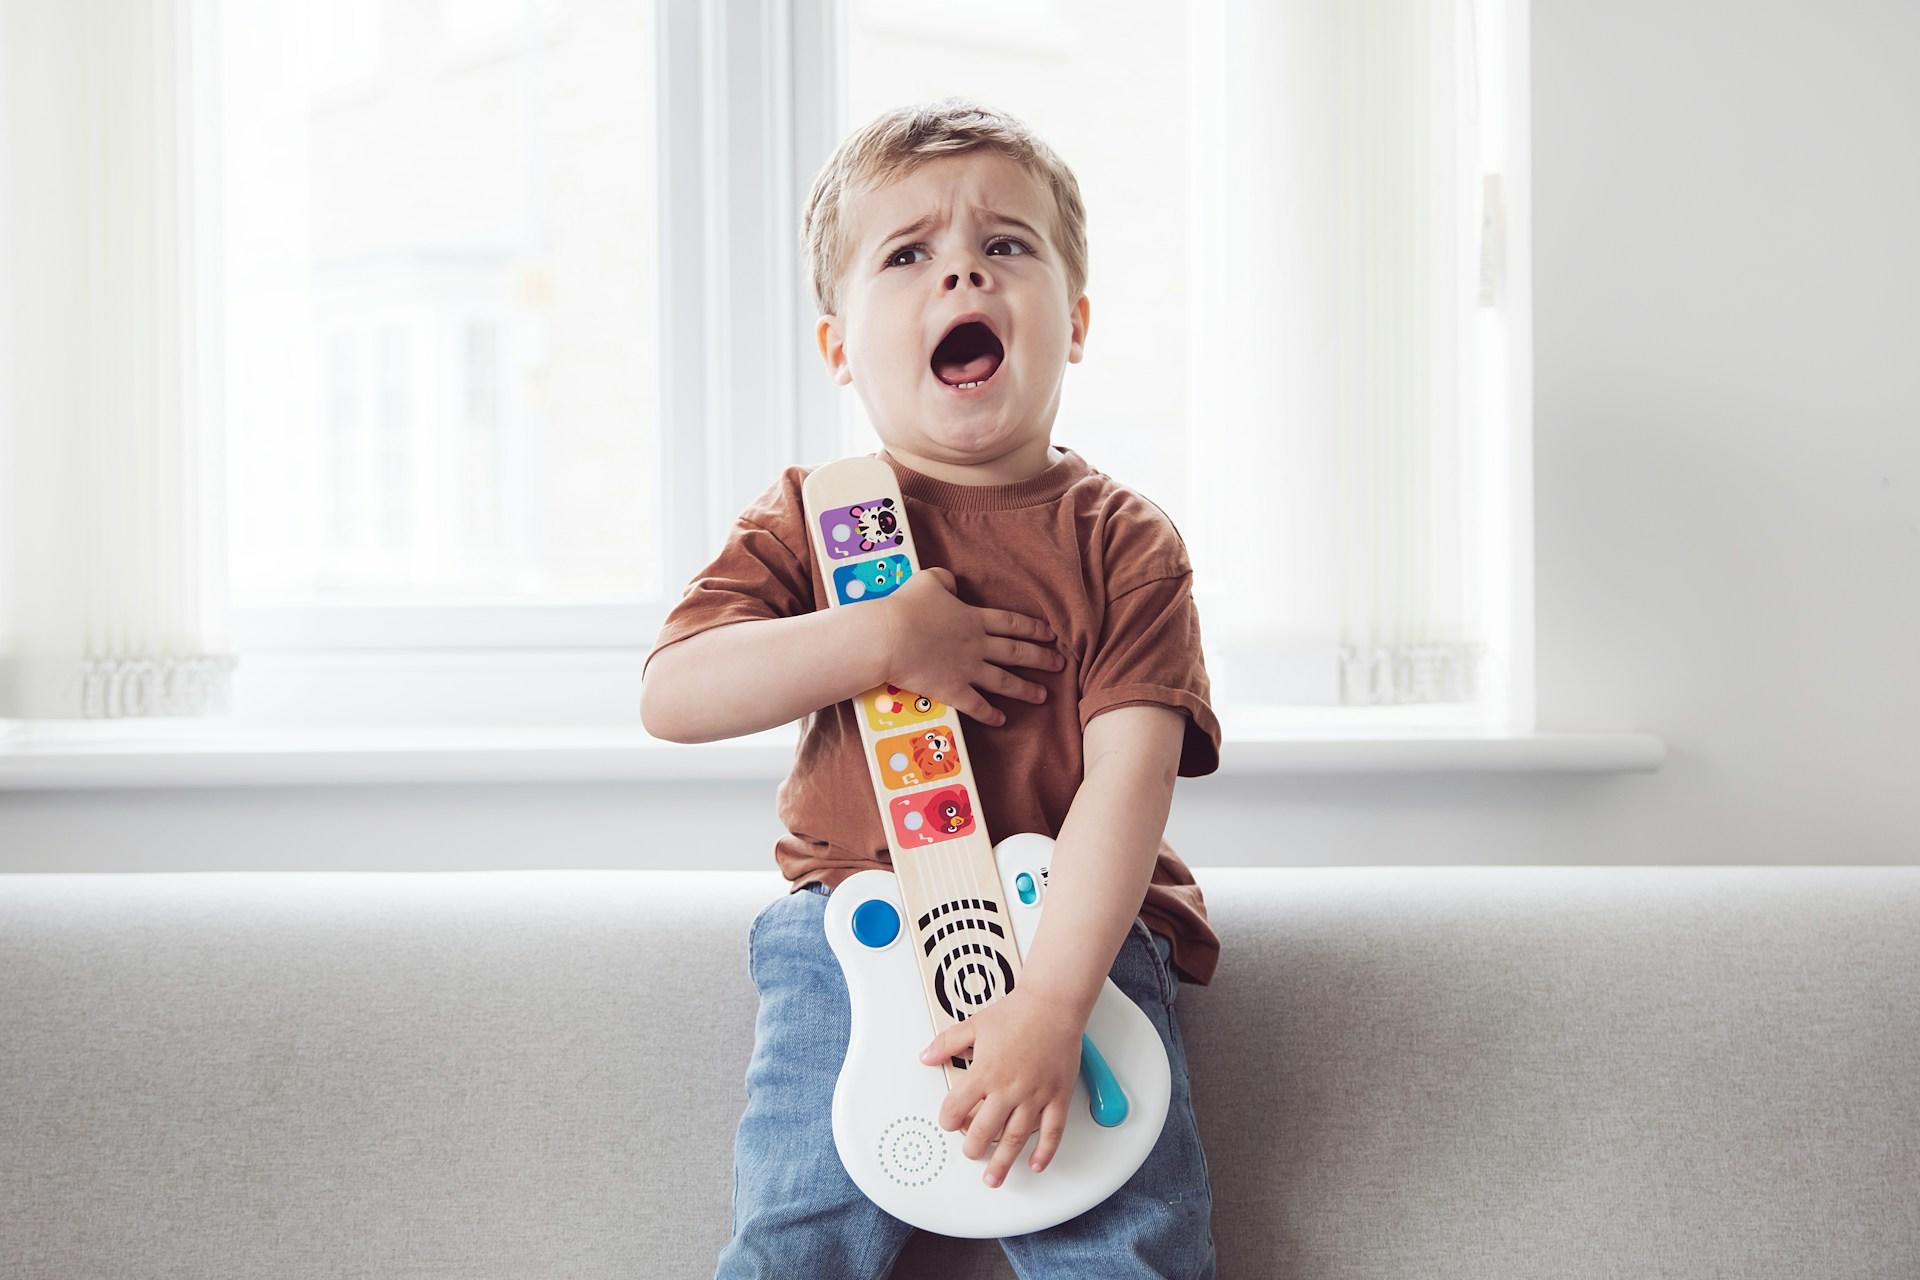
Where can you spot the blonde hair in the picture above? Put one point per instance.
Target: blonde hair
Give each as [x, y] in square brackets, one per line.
[900, 141]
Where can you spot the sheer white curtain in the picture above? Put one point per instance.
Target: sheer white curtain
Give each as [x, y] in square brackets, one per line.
[111, 600]
[1335, 414]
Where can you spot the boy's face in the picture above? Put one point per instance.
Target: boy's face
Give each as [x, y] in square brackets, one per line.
[901, 291]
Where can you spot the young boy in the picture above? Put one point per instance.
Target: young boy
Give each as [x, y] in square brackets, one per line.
[948, 253]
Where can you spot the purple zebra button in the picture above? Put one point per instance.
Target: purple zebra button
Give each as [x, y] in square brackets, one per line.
[862, 528]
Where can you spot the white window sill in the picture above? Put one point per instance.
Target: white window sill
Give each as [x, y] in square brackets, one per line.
[58, 755]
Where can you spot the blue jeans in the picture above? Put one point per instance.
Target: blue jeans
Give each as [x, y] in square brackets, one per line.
[797, 1213]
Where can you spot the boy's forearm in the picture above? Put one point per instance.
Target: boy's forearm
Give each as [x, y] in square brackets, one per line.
[748, 676]
[1099, 872]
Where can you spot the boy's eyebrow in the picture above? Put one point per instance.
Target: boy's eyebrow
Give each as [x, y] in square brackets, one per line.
[992, 215]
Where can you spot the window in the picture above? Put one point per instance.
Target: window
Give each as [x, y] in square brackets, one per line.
[438, 268]
[515, 322]
[1300, 331]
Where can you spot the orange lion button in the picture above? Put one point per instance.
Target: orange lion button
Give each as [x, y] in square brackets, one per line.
[909, 759]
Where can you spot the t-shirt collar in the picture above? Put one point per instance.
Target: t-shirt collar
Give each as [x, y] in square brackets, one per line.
[1031, 492]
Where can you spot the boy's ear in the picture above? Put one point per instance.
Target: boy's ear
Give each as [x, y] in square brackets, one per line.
[833, 349]
[1077, 316]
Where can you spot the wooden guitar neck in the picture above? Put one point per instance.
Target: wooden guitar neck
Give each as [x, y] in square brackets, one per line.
[917, 760]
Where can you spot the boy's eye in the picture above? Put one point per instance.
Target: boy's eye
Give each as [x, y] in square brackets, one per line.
[894, 256]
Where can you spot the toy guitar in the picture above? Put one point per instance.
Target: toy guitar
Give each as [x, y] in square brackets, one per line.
[941, 936]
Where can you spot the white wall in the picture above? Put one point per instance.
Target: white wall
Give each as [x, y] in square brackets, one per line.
[1727, 302]
[1727, 356]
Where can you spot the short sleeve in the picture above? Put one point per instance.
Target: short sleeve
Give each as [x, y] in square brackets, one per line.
[761, 570]
[1149, 652]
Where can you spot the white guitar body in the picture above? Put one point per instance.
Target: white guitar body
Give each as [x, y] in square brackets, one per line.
[886, 1102]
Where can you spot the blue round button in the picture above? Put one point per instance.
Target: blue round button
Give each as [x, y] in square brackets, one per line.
[1023, 885]
[876, 923]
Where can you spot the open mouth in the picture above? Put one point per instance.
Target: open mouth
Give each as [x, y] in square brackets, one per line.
[967, 359]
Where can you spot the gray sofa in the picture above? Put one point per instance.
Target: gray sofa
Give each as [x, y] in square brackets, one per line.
[1399, 1072]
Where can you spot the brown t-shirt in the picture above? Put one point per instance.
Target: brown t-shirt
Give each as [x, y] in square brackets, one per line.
[1101, 564]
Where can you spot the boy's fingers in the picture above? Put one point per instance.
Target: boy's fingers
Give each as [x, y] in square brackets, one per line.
[947, 1044]
[959, 1109]
[1053, 1124]
[1019, 1129]
[1007, 623]
[986, 1128]
[1013, 686]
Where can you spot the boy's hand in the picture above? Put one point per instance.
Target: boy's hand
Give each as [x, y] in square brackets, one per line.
[1026, 1056]
[942, 647]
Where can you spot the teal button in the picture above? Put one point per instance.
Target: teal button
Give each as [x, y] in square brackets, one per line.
[1024, 884]
[876, 923]
[1104, 1100]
